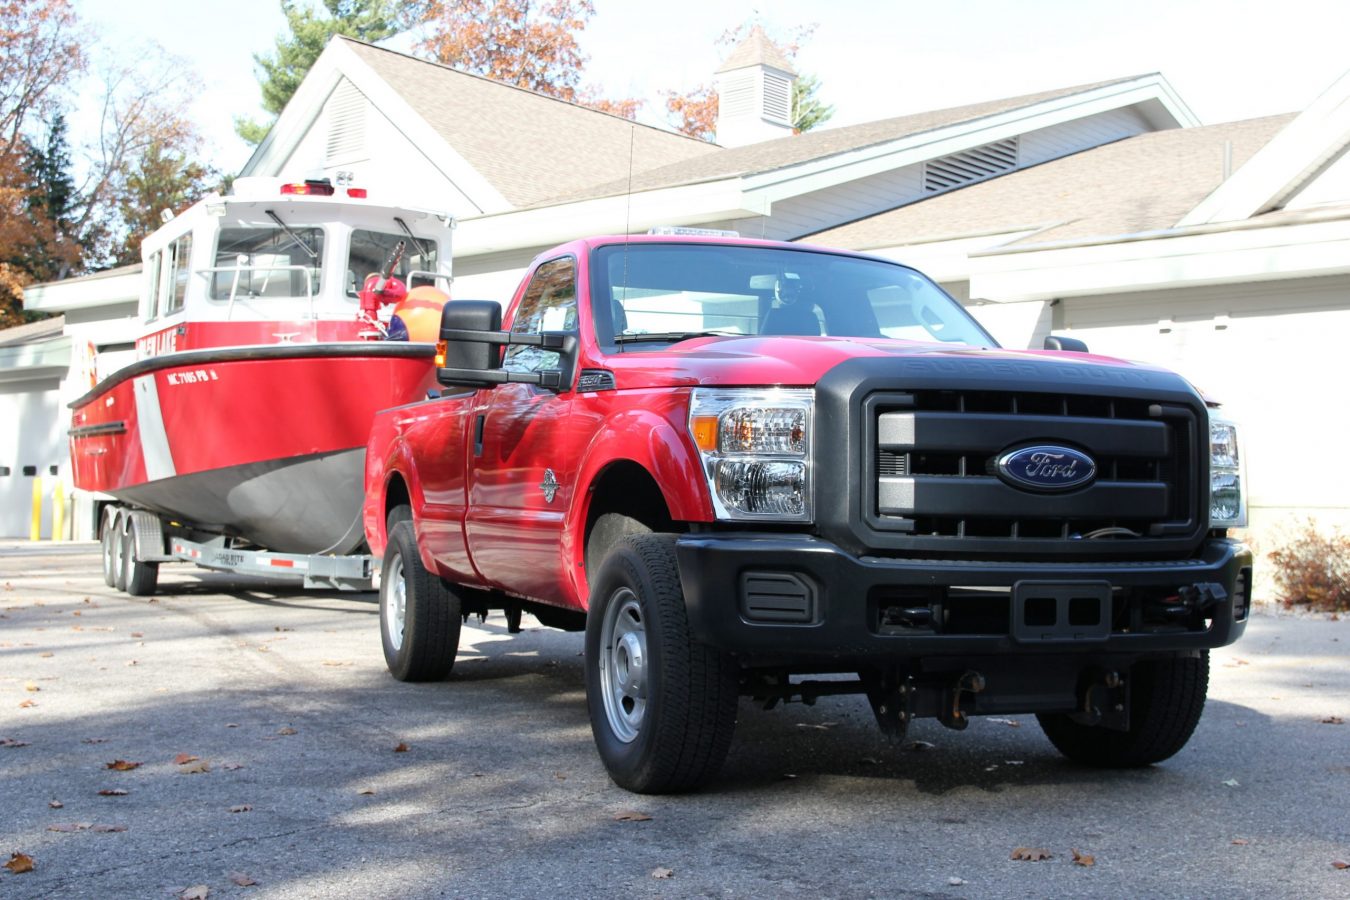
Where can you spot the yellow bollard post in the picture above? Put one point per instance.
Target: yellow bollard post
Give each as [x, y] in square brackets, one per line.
[58, 511]
[35, 533]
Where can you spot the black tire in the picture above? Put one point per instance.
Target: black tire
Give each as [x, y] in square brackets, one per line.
[1167, 697]
[667, 727]
[139, 579]
[419, 614]
[111, 547]
[120, 523]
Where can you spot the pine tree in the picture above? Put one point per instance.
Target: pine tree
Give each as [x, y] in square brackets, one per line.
[284, 69]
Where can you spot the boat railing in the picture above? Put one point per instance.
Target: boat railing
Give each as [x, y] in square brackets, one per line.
[239, 269]
[433, 277]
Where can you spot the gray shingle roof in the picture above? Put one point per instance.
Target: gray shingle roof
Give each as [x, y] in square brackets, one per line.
[1143, 183]
[756, 50]
[526, 145]
[778, 153]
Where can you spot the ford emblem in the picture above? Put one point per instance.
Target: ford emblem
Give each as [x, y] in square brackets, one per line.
[1046, 467]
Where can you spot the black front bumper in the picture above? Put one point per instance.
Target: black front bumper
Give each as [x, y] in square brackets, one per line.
[797, 600]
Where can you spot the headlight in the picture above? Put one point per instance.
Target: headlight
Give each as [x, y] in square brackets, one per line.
[1227, 503]
[756, 451]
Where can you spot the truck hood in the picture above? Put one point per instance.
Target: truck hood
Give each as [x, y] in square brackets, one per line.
[802, 361]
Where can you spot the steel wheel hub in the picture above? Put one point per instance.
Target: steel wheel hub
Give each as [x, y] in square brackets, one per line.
[395, 588]
[623, 665]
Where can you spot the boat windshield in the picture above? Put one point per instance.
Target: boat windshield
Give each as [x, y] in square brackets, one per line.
[369, 253]
[661, 293]
[269, 261]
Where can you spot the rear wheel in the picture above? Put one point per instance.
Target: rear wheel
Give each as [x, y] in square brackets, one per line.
[1167, 697]
[138, 579]
[662, 705]
[419, 614]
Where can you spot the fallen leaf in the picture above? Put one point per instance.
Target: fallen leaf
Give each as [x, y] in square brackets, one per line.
[94, 741]
[108, 829]
[241, 879]
[401, 748]
[11, 742]
[196, 892]
[184, 758]
[27, 704]
[1031, 854]
[1337, 864]
[113, 792]
[336, 662]
[69, 827]
[1082, 859]
[137, 634]
[20, 863]
[365, 791]
[823, 726]
[631, 815]
[956, 882]
[1232, 782]
[47, 655]
[279, 628]
[662, 873]
[919, 746]
[1011, 723]
[231, 724]
[195, 768]
[243, 807]
[870, 761]
[1240, 842]
[1333, 720]
[56, 804]
[31, 687]
[122, 765]
[287, 730]
[231, 767]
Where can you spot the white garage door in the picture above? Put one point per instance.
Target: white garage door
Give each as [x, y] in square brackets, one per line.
[29, 448]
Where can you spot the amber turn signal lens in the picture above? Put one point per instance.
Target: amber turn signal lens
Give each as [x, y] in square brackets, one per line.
[441, 349]
[705, 432]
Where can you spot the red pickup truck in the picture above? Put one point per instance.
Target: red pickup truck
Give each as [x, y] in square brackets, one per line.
[741, 465]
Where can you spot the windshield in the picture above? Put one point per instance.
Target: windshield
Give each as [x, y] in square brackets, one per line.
[666, 292]
[369, 254]
[271, 262]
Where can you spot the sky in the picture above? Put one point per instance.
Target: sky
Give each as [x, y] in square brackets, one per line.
[1227, 59]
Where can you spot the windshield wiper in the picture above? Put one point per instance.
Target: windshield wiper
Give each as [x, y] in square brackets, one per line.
[313, 254]
[671, 336]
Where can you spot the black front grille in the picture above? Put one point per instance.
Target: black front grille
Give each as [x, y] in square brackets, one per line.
[931, 468]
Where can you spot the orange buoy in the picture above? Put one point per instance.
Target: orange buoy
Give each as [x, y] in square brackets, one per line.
[417, 317]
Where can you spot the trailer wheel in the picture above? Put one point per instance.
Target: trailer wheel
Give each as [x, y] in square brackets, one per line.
[138, 579]
[1167, 697]
[419, 614]
[662, 705]
[110, 542]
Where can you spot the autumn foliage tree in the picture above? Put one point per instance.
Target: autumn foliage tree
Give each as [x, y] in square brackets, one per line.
[40, 48]
[531, 44]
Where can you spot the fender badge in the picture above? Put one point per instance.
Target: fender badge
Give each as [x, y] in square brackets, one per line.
[549, 486]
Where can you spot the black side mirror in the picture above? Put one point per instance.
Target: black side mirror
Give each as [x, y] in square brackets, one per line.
[469, 352]
[1059, 342]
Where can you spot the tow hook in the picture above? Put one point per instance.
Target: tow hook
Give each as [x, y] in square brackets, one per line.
[893, 705]
[954, 712]
[1103, 699]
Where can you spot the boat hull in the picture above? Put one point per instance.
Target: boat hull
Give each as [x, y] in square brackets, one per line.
[263, 443]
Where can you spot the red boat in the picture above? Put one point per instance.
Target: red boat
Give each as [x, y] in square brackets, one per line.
[271, 338]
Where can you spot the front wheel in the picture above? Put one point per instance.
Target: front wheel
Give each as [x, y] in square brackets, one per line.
[419, 615]
[662, 705]
[1167, 697]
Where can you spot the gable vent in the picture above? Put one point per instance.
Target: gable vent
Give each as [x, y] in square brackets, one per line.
[346, 125]
[969, 166]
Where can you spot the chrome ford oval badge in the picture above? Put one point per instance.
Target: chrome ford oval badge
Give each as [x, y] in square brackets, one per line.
[1046, 467]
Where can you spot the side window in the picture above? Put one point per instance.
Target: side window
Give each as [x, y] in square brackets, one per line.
[153, 267]
[549, 304]
[179, 263]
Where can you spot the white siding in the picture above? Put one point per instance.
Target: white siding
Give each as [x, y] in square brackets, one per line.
[1046, 144]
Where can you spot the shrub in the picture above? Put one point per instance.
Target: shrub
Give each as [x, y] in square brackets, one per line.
[1312, 569]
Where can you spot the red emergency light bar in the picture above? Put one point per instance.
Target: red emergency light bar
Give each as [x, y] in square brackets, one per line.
[323, 188]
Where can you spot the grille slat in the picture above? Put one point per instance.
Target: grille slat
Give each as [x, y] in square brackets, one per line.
[933, 467]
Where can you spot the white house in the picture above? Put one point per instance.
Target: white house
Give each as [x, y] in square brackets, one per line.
[1103, 209]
